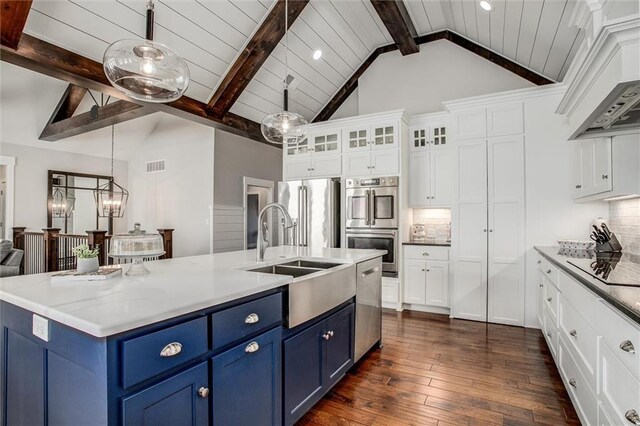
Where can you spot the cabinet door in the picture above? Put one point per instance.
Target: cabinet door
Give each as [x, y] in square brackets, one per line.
[505, 119]
[303, 372]
[326, 165]
[385, 162]
[602, 180]
[327, 142]
[470, 123]
[356, 138]
[384, 135]
[469, 292]
[415, 286]
[419, 180]
[296, 168]
[587, 151]
[439, 135]
[297, 149]
[441, 178]
[249, 375]
[419, 138]
[339, 345]
[577, 187]
[356, 163]
[506, 230]
[179, 400]
[437, 288]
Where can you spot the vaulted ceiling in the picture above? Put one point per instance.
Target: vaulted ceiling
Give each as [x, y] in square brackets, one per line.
[212, 34]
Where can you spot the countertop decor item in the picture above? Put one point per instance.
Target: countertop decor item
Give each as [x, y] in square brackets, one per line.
[86, 258]
[145, 69]
[101, 274]
[111, 198]
[136, 246]
[286, 126]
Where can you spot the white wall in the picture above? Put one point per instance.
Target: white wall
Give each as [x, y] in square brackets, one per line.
[180, 197]
[551, 213]
[441, 71]
[349, 107]
[31, 173]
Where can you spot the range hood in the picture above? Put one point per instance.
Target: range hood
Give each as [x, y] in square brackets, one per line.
[618, 113]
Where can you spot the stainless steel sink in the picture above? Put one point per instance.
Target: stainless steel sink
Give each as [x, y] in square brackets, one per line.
[317, 287]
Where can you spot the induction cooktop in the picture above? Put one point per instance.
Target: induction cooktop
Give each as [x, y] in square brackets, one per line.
[611, 268]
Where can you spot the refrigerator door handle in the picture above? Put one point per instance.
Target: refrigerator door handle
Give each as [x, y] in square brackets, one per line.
[372, 207]
[300, 217]
[305, 213]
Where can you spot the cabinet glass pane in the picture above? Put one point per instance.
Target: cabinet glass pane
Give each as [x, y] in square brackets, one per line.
[319, 148]
[332, 146]
[353, 144]
[362, 142]
[362, 134]
[353, 135]
[379, 140]
[319, 139]
[332, 138]
[388, 130]
[378, 131]
[388, 139]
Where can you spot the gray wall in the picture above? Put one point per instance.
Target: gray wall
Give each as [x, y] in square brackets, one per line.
[235, 157]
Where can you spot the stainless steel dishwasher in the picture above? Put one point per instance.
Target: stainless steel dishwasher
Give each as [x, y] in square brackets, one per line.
[368, 306]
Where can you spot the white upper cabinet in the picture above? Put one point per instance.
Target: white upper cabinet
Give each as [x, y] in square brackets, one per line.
[326, 142]
[469, 123]
[429, 135]
[592, 168]
[505, 119]
[363, 137]
[419, 182]
[318, 155]
[375, 162]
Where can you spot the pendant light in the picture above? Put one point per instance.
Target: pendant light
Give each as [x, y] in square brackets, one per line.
[145, 69]
[111, 198]
[285, 126]
[62, 203]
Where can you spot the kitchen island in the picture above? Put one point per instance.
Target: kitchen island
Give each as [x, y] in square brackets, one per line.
[197, 341]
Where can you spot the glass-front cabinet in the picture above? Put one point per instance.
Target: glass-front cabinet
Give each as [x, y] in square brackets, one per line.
[428, 136]
[298, 148]
[327, 142]
[365, 137]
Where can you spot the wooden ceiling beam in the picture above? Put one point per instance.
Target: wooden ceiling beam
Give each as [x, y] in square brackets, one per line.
[110, 114]
[254, 54]
[68, 104]
[395, 16]
[13, 17]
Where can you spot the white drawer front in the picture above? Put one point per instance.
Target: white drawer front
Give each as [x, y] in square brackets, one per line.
[618, 390]
[622, 337]
[550, 271]
[550, 334]
[583, 397]
[551, 300]
[426, 253]
[581, 338]
[580, 298]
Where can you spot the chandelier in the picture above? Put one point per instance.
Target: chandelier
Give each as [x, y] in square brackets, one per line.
[145, 69]
[111, 198]
[285, 126]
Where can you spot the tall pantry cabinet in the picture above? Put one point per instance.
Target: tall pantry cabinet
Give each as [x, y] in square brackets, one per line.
[489, 214]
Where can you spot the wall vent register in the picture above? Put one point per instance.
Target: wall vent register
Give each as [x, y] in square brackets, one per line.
[155, 166]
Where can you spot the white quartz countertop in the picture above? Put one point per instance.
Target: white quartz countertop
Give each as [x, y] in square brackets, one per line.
[174, 287]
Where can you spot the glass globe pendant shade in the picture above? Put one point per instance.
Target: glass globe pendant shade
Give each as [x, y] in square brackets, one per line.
[111, 200]
[62, 205]
[284, 127]
[146, 70]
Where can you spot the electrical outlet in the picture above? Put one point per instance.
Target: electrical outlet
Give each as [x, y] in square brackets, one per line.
[41, 327]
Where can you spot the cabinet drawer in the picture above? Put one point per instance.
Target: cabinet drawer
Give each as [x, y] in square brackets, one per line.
[426, 253]
[243, 320]
[146, 356]
[579, 297]
[618, 390]
[551, 301]
[550, 334]
[581, 339]
[584, 399]
[621, 336]
[549, 270]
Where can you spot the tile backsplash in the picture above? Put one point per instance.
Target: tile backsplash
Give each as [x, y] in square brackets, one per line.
[436, 221]
[624, 221]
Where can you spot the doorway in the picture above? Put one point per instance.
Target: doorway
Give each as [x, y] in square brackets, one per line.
[7, 188]
[256, 195]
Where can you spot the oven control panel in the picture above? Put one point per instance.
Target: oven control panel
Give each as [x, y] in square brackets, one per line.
[369, 182]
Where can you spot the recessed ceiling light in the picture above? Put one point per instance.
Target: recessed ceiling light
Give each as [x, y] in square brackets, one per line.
[486, 5]
[317, 54]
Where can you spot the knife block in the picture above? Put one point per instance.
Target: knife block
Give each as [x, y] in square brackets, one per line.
[611, 246]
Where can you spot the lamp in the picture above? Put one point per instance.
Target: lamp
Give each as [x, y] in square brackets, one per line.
[111, 198]
[285, 126]
[62, 203]
[145, 69]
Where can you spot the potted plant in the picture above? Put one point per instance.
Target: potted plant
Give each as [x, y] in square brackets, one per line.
[87, 259]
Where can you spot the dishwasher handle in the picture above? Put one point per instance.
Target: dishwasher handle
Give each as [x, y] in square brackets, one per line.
[370, 271]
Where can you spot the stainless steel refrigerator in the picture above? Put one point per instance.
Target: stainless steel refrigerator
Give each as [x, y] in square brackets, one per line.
[314, 205]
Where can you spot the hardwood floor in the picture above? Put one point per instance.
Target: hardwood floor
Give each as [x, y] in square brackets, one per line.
[436, 371]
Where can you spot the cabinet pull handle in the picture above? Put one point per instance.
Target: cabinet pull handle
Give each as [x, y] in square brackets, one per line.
[549, 299]
[370, 271]
[573, 333]
[252, 347]
[203, 392]
[484, 230]
[428, 270]
[578, 186]
[252, 318]
[605, 176]
[573, 383]
[548, 271]
[425, 254]
[540, 285]
[627, 346]
[539, 262]
[328, 335]
[633, 417]
[490, 230]
[172, 349]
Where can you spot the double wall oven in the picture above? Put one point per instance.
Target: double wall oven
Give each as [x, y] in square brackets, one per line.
[372, 217]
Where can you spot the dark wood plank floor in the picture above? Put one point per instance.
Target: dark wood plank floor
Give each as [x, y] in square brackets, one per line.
[436, 371]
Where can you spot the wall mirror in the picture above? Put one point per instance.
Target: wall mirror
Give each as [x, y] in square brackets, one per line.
[71, 205]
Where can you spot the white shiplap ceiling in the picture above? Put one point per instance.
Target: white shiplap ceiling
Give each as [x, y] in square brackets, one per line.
[210, 33]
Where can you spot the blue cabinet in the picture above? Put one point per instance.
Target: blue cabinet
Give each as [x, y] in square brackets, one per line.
[314, 360]
[179, 400]
[247, 382]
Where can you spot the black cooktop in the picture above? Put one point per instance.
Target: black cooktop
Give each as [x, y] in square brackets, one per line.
[610, 268]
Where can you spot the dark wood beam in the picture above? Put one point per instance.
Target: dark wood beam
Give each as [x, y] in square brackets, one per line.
[396, 18]
[255, 53]
[68, 104]
[497, 59]
[48, 59]
[110, 114]
[343, 93]
[13, 16]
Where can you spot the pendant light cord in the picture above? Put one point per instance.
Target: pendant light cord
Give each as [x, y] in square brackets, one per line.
[286, 43]
[113, 130]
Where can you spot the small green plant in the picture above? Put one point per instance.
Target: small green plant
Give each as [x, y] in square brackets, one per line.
[84, 252]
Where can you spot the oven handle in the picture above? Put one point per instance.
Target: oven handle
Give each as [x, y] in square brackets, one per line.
[367, 214]
[372, 207]
[368, 233]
